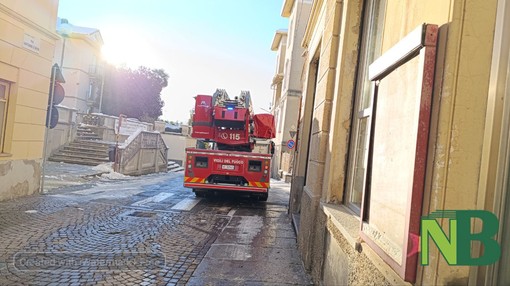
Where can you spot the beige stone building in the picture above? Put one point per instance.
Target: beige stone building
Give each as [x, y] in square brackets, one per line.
[27, 46]
[78, 53]
[279, 45]
[287, 84]
[400, 119]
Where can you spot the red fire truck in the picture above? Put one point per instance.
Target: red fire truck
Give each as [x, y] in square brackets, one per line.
[227, 130]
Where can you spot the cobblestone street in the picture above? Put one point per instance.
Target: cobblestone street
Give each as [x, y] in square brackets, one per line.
[147, 231]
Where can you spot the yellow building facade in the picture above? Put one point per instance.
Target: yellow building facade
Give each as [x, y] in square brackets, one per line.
[27, 44]
[400, 119]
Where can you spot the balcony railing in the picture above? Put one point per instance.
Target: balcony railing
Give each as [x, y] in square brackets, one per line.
[143, 153]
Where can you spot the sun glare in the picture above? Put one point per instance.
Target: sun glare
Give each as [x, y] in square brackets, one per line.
[122, 48]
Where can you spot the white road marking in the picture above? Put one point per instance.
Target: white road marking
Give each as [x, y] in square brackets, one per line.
[186, 204]
[154, 199]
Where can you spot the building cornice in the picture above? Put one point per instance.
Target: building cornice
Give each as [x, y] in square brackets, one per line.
[293, 92]
[91, 35]
[278, 35]
[85, 38]
[312, 22]
[30, 23]
[287, 8]
[277, 79]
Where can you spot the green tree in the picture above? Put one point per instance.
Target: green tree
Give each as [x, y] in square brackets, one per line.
[134, 93]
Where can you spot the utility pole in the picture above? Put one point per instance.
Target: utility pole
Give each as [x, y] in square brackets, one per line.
[47, 124]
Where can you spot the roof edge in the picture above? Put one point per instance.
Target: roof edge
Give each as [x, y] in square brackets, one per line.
[287, 8]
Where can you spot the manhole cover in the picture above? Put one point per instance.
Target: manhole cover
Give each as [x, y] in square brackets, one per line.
[142, 214]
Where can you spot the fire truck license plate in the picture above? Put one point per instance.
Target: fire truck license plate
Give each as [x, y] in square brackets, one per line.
[227, 167]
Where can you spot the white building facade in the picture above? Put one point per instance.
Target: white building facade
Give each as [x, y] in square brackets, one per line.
[78, 53]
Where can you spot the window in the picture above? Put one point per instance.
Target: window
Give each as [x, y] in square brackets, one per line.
[358, 153]
[277, 118]
[395, 181]
[4, 93]
[90, 91]
[281, 122]
[503, 273]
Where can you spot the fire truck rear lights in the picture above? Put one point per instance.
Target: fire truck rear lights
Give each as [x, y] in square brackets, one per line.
[189, 166]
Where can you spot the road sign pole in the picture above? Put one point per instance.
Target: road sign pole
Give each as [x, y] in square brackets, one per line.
[47, 125]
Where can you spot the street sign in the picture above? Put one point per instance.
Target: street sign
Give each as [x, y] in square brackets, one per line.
[58, 94]
[292, 131]
[53, 121]
[290, 144]
[55, 97]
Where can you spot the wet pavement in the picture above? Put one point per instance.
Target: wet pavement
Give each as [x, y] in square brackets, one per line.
[92, 228]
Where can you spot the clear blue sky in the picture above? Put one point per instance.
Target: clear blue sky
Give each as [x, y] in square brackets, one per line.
[201, 44]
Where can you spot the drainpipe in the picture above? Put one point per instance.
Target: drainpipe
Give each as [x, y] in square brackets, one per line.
[47, 124]
[63, 50]
[101, 93]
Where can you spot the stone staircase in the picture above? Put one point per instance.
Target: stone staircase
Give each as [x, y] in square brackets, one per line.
[86, 149]
[174, 167]
[84, 133]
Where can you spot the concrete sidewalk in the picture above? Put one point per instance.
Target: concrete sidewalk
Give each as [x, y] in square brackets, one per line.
[58, 175]
[257, 247]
